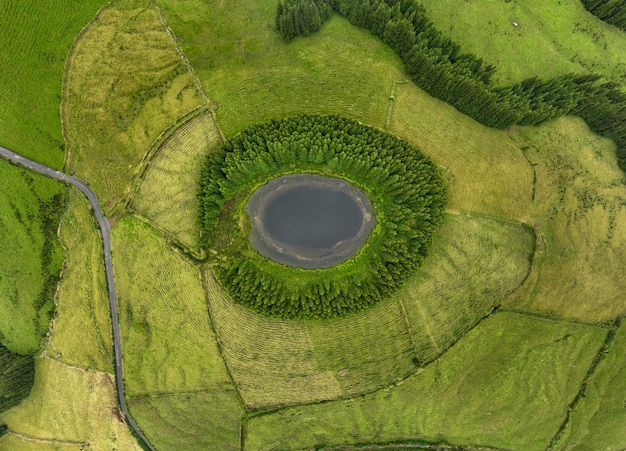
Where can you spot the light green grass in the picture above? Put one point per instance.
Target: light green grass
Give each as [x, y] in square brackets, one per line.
[167, 194]
[80, 406]
[580, 217]
[190, 421]
[169, 347]
[553, 38]
[36, 38]
[82, 329]
[252, 76]
[506, 384]
[276, 361]
[17, 443]
[27, 284]
[472, 267]
[597, 422]
[125, 85]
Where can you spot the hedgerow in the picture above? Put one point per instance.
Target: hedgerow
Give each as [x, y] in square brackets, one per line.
[405, 188]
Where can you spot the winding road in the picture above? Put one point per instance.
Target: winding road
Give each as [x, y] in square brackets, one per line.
[108, 264]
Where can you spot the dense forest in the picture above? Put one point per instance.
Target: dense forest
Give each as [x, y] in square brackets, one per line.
[437, 65]
[611, 11]
[17, 374]
[405, 188]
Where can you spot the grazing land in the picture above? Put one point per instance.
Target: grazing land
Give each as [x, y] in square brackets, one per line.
[81, 331]
[167, 195]
[70, 405]
[172, 362]
[32, 257]
[598, 419]
[552, 38]
[506, 384]
[507, 337]
[125, 85]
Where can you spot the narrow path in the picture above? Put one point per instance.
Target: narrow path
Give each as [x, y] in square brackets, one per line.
[108, 264]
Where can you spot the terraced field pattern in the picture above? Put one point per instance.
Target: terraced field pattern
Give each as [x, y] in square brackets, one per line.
[509, 335]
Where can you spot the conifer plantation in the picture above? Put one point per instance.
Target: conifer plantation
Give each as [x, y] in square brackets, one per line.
[437, 65]
[405, 189]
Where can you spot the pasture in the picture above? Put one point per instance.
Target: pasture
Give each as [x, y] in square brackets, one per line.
[173, 368]
[500, 340]
[506, 384]
[81, 331]
[125, 85]
[167, 195]
[32, 256]
[68, 405]
[552, 38]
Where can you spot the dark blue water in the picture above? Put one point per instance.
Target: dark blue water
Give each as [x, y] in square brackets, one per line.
[312, 217]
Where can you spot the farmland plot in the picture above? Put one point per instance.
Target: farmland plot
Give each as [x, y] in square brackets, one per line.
[167, 194]
[507, 384]
[81, 333]
[172, 363]
[125, 85]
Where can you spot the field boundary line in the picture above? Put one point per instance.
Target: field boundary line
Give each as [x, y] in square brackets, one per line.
[187, 63]
[244, 417]
[546, 317]
[45, 355]
[144, 164]
[53, 441]
[166, 394]
[604, 350]
[406, 444]
[195, 256]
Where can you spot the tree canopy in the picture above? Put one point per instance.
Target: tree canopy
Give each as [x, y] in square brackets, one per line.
[406, 191]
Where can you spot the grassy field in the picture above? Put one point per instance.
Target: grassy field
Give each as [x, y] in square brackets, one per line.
[580, 216]
[173, 368]
[457, 286]
[167, 194]
[277, 361]
[82, 327]
[125, 85]
[597, 422]
[80, 408]
[36, 38]
[31, 256]
[506, 384]
[552, 38]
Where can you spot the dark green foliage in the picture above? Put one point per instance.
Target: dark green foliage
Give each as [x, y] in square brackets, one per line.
[17, 375]
[404, 187]
[300, 17]
[436, 65]
[611, 11]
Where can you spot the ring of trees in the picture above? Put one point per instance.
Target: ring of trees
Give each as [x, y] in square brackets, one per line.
[406, 190]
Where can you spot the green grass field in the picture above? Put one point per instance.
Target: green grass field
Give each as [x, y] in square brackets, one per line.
[167, 194]
[125, 85]
[506, 384]
[277, 362]
[173, 368]
[82, 327]
[36, 38]
[535, 225]
[597, 421]
[457, 286]
[580, 216]
[552, 38]
[32, 257]
[70, 405]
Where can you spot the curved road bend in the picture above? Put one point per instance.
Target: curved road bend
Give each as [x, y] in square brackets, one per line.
[108, 264]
